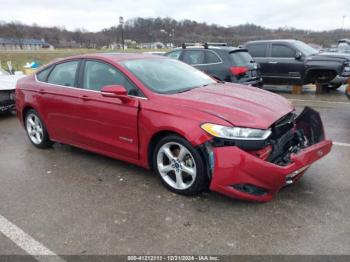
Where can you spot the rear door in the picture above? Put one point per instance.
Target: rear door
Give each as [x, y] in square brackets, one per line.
[259, 52]
[61, 101]
[208, 61]
[215, 66]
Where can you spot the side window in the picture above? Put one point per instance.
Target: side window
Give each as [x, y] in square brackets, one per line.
[98, 75]
[194, 57]
[174, 55]
[212, 58]
[64, 74]
[257, 50]
[282, 51]
[42, 75]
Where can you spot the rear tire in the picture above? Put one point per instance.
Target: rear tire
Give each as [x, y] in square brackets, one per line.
[36, 130]
[180, 166]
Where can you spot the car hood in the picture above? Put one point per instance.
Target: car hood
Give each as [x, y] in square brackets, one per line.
[8, 82]
[336, 54]
[239, 105]
[327, 57]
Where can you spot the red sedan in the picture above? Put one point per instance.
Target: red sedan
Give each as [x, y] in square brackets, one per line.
[195, 132]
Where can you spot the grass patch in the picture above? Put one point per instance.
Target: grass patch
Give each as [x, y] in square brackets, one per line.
[21, 57]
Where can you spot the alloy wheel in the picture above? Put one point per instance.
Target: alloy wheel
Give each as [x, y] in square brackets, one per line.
[34, 129]
[176, 165]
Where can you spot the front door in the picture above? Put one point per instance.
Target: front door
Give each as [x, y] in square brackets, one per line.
[110, 125]
[284, 66]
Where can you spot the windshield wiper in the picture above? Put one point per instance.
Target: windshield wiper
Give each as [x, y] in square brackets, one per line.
[189, 89]
[184, 90]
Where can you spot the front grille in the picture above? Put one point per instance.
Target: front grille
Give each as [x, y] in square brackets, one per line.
[4, 96]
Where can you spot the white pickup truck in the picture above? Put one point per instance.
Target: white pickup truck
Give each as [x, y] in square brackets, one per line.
[7, 90]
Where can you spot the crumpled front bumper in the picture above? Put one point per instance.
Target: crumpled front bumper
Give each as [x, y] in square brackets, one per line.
[234, 166]
[239, 174]
[7, 101]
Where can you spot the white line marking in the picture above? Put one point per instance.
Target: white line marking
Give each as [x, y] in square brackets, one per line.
[27, 243]
[319, 101]
[341, 144]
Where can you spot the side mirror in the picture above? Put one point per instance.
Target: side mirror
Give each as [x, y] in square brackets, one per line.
[298, 56]
[117, 91]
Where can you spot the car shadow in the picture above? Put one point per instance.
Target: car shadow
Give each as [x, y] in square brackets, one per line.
[7, 115]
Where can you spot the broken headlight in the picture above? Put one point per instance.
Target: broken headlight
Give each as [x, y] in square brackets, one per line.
[236, 133]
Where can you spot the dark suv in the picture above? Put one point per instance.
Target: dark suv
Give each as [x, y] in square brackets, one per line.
[294, 62]
[230, 64]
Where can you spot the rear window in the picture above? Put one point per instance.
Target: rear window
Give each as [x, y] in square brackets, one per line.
[212, 58]
[241, 58]
[194, 57]
[174, 55]
[64, 74]
[42, 75]
[257, 50]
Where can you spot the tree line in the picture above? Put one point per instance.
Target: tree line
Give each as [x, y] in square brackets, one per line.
[166, 30]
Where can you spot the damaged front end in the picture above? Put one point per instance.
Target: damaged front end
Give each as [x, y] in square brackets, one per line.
[7, 100]
[291, 134]
[256, 170]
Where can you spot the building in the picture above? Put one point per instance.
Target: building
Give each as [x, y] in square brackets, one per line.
[23, 44]
[155, 45]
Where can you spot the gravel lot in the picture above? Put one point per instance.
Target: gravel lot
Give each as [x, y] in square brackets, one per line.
[75, 202]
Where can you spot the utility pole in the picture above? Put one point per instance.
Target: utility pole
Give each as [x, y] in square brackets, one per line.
[121, 23]
[342, 25]
[173, 33]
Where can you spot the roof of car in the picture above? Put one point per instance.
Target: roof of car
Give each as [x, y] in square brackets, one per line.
[273, 40]
[116, 57]
[225, 48]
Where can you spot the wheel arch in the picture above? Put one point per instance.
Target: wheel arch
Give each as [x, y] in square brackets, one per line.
[155, 139]
[164, 133]
[313, 75]
[25, 111]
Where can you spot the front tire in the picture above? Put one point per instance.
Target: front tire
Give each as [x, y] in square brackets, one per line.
[36, 130]
[334, 86]
[180, 166]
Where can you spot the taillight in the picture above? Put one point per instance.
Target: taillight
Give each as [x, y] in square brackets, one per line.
[238, 70]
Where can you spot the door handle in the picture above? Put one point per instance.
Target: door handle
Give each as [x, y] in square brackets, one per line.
[85, 97]
[273, 62]
[42, 91]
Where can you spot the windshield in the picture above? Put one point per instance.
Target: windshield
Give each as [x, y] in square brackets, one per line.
[167, 76]
[305, 49]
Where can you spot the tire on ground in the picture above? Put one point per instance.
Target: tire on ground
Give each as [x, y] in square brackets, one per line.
[45, 141]
[201, 181]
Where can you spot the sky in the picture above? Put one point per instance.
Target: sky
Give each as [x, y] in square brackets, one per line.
[94, 15]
